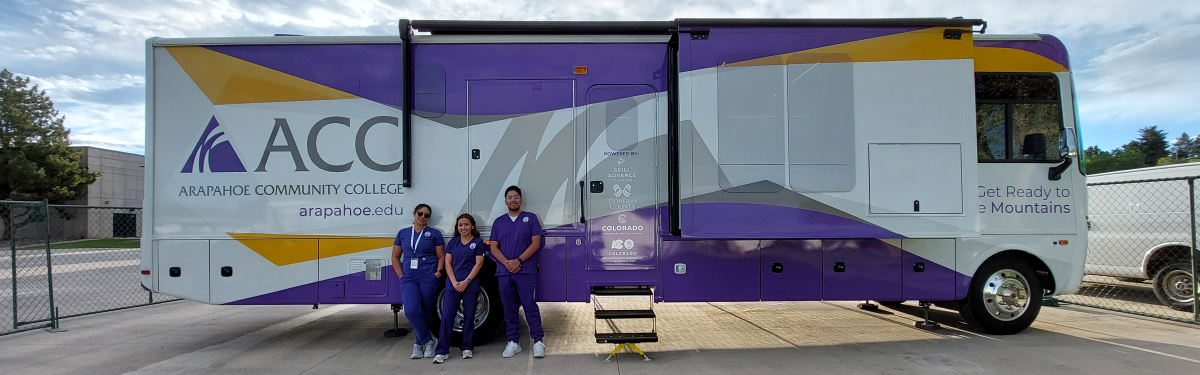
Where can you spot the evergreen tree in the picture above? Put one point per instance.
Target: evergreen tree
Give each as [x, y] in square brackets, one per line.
[36, 161]
[1152, 143]
[1183, 147]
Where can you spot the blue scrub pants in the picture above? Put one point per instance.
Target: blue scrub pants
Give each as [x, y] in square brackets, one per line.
[517, 291]
[450, 309]
[419, 293]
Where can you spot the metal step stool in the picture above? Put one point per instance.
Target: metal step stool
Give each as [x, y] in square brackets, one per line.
[624, 339]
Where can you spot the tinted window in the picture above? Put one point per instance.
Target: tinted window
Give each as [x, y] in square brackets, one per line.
[1018, 117]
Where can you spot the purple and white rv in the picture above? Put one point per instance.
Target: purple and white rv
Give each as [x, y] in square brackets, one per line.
[886, 160]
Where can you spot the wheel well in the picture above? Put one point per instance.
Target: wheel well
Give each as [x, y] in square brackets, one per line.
[1045, 277]
[1165, 255]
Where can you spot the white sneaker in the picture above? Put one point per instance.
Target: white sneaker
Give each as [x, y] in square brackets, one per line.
[430, 347]
[511, 349]
[539, 350]
[440, 358]
[468, 354]
[418, 352]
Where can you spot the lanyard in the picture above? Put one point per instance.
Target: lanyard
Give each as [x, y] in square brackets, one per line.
[415, 240]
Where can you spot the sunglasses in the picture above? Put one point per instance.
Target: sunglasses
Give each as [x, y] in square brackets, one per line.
[513, 198]
[422, 214]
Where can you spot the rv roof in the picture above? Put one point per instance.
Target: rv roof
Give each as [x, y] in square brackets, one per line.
[665, 27]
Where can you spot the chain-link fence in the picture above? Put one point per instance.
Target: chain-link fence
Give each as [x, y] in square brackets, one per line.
[66, 261]
[1140, 240]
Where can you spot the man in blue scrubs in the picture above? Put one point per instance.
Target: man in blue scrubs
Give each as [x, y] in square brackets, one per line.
[515, 240]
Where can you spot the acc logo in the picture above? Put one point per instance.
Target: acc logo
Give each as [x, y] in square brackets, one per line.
[426, 234]
[472, 246]
[525, 220]
[214, 152]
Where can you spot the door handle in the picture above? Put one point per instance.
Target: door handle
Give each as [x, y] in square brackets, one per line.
[582, 216]
[597, 187]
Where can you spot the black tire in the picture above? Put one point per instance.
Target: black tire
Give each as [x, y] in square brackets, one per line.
[489, 291]
[1173, 285]
[891, 303]
[1004, 275]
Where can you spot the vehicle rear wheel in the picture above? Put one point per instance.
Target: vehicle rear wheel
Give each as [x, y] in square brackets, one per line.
[489, 314]
[1005, 297]
[1173, 285]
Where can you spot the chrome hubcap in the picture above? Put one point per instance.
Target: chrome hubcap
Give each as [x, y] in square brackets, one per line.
[1006, 294]
[483, 308]
[1178, 286]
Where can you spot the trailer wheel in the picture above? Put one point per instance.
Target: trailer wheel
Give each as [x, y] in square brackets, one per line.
[489, 313]
[1005, 297]
[1173, 285]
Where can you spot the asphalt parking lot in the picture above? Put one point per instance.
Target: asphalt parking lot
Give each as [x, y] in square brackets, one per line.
[704, 338]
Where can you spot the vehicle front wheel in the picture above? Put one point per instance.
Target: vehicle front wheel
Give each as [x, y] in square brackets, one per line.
[1005, 297]
[1173, 285]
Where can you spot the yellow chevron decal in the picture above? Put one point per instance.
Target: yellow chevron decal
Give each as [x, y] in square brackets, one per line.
[285, 249]
[925, 44]
[229, 80]
[997, 59]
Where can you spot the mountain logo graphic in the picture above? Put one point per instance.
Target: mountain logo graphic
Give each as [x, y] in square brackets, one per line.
[214, 152]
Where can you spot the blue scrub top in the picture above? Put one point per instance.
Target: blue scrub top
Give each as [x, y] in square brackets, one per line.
[462, 257]
[427, 242]
[514, 237]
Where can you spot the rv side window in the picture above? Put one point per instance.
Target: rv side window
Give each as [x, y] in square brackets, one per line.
[1018, 117]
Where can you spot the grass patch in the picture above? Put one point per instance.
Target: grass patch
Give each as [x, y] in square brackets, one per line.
[105, 243]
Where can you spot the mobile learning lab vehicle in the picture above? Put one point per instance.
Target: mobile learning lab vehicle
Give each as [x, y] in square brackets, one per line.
[1140, 228]
[705, 159]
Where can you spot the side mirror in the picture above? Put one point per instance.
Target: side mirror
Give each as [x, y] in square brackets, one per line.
[1034, 144]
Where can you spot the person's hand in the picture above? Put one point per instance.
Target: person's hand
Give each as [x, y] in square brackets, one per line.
[513, 265]
[437, 274]
[460, 286]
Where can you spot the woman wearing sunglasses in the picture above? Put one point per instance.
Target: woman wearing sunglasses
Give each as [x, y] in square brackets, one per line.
[464, 258]
[418, 255]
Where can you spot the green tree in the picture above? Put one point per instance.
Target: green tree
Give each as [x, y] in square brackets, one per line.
[1126, 157]
[1152, 143]
[36, 161]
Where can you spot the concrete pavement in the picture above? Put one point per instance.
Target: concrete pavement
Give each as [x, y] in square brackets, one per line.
[704, 338]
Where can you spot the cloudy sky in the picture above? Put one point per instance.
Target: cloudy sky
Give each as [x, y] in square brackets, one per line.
[1136, 63]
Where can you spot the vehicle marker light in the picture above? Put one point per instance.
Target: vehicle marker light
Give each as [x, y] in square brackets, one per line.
[145, 272]
[581, 70]
[1062, 242]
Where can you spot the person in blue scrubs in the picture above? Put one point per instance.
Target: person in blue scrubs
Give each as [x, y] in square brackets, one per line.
[417, 257]
[515, 240]
[464, 258]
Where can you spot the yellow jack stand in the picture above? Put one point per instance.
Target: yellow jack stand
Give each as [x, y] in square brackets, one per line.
[631, 347]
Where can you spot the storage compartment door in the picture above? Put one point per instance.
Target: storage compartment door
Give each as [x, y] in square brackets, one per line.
[791, 270]
[189, 258]
[264, 272]
[928, 271]
[861, 269]
[915, 178]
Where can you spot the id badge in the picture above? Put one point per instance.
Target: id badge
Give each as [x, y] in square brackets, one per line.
[413, 264]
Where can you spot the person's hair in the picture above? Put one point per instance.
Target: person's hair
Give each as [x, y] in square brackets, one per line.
[422, 205]
[474, 228]
[512, 188]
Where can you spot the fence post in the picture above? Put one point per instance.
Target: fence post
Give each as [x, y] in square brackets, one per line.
[12, 236]
[1195, 267]
[49, 264]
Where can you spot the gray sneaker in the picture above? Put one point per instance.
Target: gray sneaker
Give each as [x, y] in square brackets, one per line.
[440, 358]
[468, 354]
[418, 351]
[539, 350]
[511, 349]
[430, 347]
